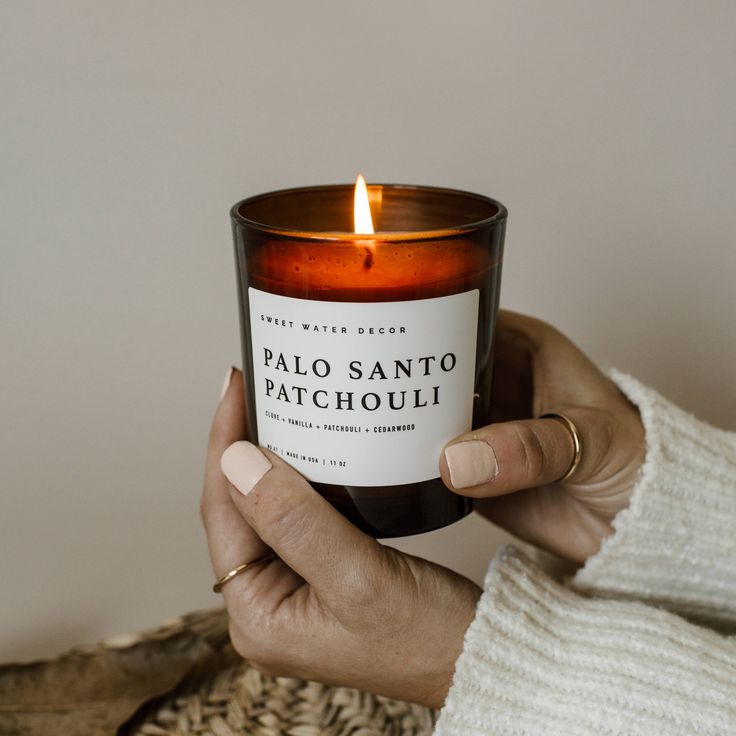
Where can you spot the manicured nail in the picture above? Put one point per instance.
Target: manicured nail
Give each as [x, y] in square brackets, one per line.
[244, 465]
[226, 385]
[471, 463]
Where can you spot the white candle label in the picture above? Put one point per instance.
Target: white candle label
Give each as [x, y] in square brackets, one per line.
[363, 394]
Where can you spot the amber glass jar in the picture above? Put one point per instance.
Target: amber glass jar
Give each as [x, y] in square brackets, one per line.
[364, 354]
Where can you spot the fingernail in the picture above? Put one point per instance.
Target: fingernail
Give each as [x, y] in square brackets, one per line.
[471, 463]
[244, 465]
[226, 385]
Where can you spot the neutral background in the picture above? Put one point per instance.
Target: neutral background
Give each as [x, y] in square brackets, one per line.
[128, 129]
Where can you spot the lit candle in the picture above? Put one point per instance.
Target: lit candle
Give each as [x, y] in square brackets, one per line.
[366, 351]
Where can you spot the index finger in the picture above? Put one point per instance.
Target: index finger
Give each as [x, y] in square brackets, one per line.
[230, 539]
[304, 529]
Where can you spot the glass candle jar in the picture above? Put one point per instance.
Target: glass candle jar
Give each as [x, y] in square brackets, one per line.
[364, 355]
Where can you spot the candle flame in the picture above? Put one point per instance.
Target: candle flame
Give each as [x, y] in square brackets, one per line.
[362, 209]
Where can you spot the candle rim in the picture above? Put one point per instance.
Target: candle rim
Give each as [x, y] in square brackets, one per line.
[499, 215]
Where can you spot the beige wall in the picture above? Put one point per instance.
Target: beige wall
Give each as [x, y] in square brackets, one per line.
[127, 131]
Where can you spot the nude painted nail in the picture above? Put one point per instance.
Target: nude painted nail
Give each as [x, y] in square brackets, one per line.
[471, 463]
[226, 384]
[244, 465]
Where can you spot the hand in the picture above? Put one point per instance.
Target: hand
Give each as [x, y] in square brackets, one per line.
[336, 606]
[513, 466]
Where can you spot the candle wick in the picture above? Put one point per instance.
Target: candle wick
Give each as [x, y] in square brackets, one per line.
[368, 261]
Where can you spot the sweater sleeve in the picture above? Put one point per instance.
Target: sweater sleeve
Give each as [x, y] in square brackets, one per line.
[541, 659]
[675, 545]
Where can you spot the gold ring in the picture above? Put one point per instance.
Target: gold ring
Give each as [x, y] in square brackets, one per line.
[577, 444]
[217, 587]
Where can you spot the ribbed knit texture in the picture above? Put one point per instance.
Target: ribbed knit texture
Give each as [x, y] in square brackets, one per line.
[544, 659]
[675, 545]
[541, 660]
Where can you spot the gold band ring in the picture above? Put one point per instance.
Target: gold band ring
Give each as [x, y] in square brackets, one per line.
[577, 444]
[217, 587]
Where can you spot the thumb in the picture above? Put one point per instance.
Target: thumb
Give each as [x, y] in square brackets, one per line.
[301, 527]
[506, 457]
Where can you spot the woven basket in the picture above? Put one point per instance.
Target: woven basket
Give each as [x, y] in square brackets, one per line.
[240, 701]
[185, 678]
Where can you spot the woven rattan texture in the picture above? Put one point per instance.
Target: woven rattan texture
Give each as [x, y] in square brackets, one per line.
[240, 701]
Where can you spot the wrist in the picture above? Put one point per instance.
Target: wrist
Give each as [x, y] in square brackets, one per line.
[447, 649]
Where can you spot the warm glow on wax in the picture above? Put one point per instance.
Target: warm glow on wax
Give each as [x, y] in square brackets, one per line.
[363, 222]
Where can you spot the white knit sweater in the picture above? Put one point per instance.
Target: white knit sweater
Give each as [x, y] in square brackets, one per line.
[615, 650]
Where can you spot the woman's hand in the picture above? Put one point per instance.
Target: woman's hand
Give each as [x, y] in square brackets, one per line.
[514, 465]
[336, 606]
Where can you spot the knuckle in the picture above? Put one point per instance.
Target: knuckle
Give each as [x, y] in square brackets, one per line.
[608, 430]
[366, 593]
[263, 669]
[240, 641]
[245, 641]
[605, 433]
[532, 452]
[278, 509]
[204, 509]
[540, 332]
[365, 589]
[212, 511]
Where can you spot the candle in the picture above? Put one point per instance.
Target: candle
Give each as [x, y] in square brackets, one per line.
[367, 317]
